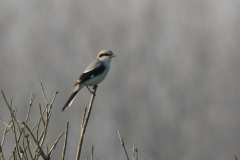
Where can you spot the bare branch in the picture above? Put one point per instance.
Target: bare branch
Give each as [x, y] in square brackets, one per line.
[85, 123]
[21, 131]
[39, 149]
[122, 143]
[65, 142]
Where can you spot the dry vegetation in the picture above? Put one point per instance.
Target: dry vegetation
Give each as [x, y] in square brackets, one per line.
[30, 142]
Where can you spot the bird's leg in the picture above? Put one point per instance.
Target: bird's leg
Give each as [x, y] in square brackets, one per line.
[89, 90]
[95, 87]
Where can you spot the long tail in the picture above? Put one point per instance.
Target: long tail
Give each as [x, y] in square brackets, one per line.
[72, 97]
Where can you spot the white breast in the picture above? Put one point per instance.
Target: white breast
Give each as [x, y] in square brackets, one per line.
[99, 78]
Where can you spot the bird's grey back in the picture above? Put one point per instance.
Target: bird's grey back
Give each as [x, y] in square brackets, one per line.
[95, 64]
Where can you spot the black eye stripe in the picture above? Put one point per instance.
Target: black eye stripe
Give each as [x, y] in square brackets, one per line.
[104, 54]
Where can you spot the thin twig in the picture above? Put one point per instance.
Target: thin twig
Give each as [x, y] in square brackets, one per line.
[21, 152]
[85, 123]
[31, 143]
[44, 131]
[44, 96]
[5, 132]
[54, 145]
[166, 157]
[122, 143]
[53, 99]
[45, 124]
[5, 123]
[84, 114]
[11, 111]
[65, 142]
[29, 148]
[41, 118]
[235, 157]
[32, 129]
[24, 128]
[39, 149]
[24, 147]
[13, 118]
[1, 153]
[133, 153]
[136, 150]
[14, 128]
[92, 152]
[30, 105]
[14, 157]
[38, 128]
[40, 110]
[48, 115]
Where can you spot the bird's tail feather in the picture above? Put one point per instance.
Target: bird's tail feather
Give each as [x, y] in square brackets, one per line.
[72, 97]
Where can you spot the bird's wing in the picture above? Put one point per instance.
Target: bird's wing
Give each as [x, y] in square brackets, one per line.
[94, 69]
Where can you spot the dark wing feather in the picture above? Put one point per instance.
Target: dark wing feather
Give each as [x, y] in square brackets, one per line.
[90, 74]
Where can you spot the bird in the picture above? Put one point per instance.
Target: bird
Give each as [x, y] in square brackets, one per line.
[93, 74]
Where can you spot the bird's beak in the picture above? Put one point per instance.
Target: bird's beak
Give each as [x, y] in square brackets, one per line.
[113, 55]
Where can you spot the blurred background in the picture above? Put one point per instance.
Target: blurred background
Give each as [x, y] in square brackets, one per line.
[173, 88]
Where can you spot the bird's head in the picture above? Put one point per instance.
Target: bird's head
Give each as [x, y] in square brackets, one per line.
[106, 55]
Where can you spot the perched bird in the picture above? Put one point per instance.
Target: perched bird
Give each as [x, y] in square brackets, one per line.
[93, 74]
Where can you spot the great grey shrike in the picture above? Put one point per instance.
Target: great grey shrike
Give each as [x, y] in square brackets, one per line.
[93, 74]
